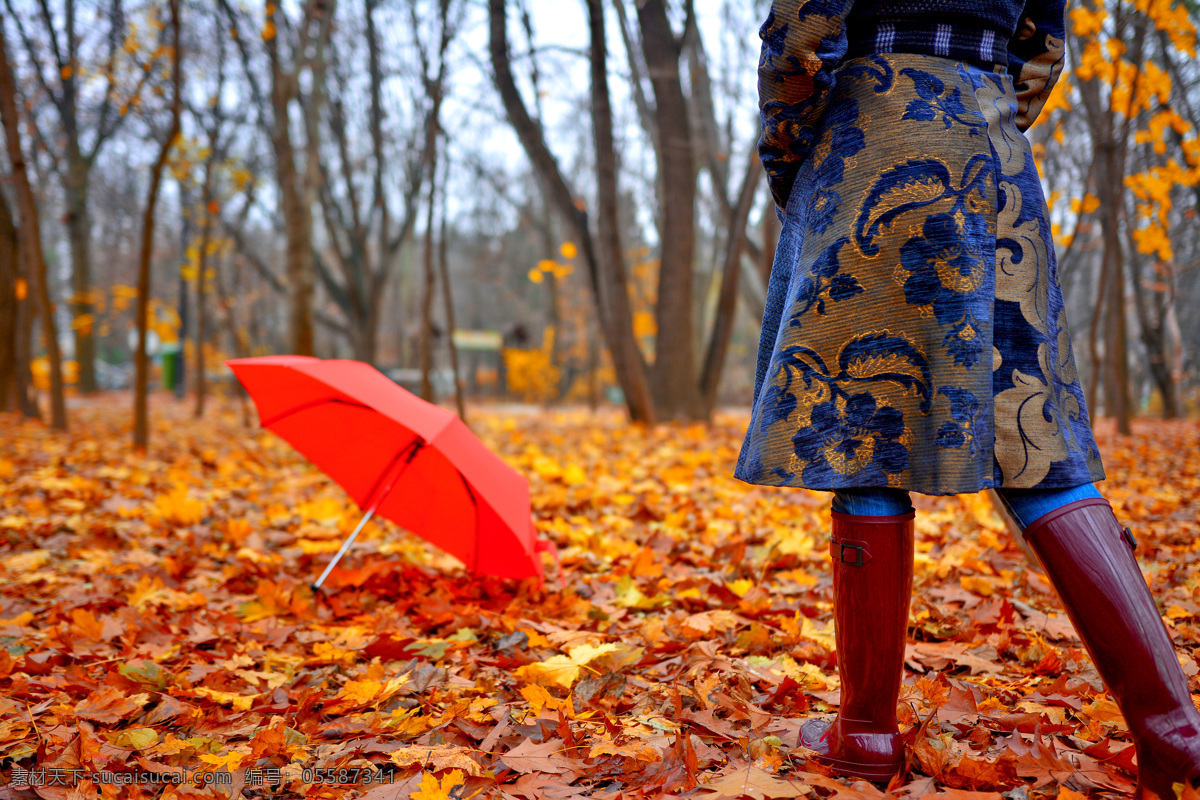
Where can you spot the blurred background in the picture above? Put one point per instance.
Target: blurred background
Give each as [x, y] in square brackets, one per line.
[519, 200]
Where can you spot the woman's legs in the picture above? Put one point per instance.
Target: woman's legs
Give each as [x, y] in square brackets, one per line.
[872, 502]
[1088, 556]
[872, 549]
[1027, 505]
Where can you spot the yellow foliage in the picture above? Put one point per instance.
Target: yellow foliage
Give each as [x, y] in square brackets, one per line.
[1087, 22]
[1087, 204]
[1174, 20]
[568, 250]
[176, 508]
[644, 324]
[1153, 239]
[1093, 64]
[530, 373]
[1154, 132]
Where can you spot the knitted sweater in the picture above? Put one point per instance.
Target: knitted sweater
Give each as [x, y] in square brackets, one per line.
[804, 41]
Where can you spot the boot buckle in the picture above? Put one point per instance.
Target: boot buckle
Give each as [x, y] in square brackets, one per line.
[860, 554]
[1127, 535]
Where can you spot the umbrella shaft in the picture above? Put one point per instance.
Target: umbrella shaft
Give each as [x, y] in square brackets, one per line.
[345, 546]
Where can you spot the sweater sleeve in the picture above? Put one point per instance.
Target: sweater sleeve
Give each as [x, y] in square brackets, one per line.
[803, 41]
[1036, 56]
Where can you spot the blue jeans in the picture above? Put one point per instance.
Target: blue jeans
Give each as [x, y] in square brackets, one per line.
[1024, 505]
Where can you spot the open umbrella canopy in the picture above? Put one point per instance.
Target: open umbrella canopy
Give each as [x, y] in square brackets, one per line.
[408, 460]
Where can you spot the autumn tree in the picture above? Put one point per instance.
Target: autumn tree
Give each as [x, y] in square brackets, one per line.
[1142, 154]
[376, 161]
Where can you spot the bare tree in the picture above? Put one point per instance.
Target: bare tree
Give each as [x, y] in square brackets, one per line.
[141, 434]
[31, 233]
[83, 122]
[297, 187]
[672, 387]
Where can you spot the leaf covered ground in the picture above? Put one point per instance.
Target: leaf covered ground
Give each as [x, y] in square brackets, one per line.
[156, 619]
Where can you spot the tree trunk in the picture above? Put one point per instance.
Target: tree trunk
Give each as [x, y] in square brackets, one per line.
[31, 244]
[206, 199]
[1110, 184]
[16, 321]
[79, 234]
[297, 214]
[79, 224]
[718, 344]
[610, 281]
[770, 238]
[448, 299]
[427, 282]
[141, 428]
[674, 374]
[1153, 313]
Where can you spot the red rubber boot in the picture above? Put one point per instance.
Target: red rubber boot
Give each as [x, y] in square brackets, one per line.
[1089, 558]
[872, 584]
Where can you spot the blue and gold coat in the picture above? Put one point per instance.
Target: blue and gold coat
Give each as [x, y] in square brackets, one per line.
[914, 335]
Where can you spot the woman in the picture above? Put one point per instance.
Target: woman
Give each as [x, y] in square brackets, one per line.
[914, 340]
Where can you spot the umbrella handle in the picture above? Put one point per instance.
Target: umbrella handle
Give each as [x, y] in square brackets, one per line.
[345, 546]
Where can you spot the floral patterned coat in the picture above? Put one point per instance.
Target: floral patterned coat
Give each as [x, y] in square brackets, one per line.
[914, 335]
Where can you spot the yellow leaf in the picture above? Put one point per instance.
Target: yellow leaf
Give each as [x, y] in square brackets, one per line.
[536, 275]
[563, 671]
[176, 508]
[977, 584]
[433, 789]
[740, 587]
[539, 698]
[1104, 710]
[568, 250]
[823, 636]
[367, 692]
[574, 475]
[135, 738]
[230, 761]
[240, 702]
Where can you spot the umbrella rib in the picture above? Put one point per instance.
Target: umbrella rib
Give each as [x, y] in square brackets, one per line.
[474, 502]
[412, 448]
[312, 404]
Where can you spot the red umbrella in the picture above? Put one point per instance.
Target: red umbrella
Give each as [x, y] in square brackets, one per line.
[400, 457]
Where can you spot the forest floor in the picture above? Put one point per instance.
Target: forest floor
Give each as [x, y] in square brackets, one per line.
[159, 637]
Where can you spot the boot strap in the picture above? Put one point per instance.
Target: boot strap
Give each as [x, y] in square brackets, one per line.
[858, 552]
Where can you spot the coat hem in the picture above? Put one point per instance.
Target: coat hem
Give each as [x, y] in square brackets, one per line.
[940, 492]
